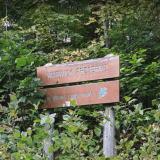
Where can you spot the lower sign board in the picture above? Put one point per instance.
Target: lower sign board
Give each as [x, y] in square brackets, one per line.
[95, 93]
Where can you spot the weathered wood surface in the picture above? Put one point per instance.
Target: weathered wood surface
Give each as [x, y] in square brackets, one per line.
[109, 141]
[49, 143]
[107, 67]
[95, 93]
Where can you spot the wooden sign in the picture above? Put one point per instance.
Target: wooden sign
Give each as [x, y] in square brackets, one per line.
[107, 67]
[95, 93]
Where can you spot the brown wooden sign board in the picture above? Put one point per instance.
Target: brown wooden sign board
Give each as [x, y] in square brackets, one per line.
[95, 93]
[107, 67]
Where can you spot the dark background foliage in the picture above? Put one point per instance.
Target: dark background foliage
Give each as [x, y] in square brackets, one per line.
[36, 32]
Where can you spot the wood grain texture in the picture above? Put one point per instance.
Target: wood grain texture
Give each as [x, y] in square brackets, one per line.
[109, 141]
[107, 67]
[95, 93]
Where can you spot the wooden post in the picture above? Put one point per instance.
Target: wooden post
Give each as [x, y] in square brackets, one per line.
[49, 143]
[109, 141]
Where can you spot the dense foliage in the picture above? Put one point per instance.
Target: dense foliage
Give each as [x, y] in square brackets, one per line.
[36, 32]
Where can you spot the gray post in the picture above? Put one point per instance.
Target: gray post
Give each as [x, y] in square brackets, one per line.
[109, 141]
[106, 24]
[48, 143]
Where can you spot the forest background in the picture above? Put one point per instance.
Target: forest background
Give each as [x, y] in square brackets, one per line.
[36, 32]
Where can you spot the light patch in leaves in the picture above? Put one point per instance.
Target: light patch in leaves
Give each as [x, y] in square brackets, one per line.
[25, 81]
[44, 119]
[72, 129]
[24, 139]
[66, 117]
[16, 134]
[154, 102]
[127, 98]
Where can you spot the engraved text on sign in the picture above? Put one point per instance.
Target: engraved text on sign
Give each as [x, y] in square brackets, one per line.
[107, 67]
[94, 93]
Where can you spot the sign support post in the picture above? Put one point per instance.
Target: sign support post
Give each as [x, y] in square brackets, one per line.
[49, 143]
[109, 141]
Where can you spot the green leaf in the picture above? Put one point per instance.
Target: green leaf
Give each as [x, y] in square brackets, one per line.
[109, 110]
[134, 57]
[36, 105]
[79, 134]
[23, 99]
[21, 62]
[72, 129]
[127, 98]
[23, 134]
[135, 91]
[97, 131]
[48, 119]
[16, 134]
[66, 117]
[43, 120]
[41, 94]
[29, 156]
[85, 147]
[138, 106]
[107, 118]
[156, 114]
[37, 120]
[29, 141]
[6, 57]
[33, 27]
[135, 140]
[71, 112]
[132, 101]
[50, 149]
[154, 102]
[129, 144]
[52, 115]
[141, 112]
[55, 133]
[24, 139]
[91, 149]
[30, 60]
[123, 112]
[73, 102]
[63, 135]
[37, 136]
[13, 97]
[141, 51]
[29, 131]
[90, 142]
[25, 81]
[142, 152]
[20, 145]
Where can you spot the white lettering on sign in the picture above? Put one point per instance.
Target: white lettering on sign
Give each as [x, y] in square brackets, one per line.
[59, 73]
[92, 69]
[48, 98]
[73, 96]
[83, 70]
[59, 97]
